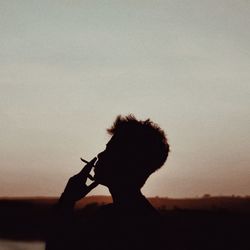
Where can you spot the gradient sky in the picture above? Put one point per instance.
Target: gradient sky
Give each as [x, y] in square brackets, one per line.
[67, 68]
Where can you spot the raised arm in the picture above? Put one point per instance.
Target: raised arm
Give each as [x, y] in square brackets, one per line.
[62, 212]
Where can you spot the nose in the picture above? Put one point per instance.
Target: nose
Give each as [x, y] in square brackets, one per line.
[100, 155]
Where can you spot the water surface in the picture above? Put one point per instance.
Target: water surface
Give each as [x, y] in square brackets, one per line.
[21, 245]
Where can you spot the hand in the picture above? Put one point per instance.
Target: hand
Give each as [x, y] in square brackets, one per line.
[76, 187]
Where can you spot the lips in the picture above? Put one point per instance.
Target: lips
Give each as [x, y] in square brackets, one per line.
[96, 166]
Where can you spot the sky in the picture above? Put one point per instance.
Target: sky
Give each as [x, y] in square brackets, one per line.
[68, 68]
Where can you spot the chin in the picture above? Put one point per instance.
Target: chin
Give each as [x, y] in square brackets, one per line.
[100, 180]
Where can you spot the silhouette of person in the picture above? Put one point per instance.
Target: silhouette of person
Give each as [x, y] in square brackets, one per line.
[135, 150]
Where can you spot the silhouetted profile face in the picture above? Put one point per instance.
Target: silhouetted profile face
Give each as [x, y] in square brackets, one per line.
[112, 165]
[136, 149]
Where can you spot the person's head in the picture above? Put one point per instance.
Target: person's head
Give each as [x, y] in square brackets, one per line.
[136, 150]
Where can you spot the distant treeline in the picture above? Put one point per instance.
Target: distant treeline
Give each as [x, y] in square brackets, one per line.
[229, 203]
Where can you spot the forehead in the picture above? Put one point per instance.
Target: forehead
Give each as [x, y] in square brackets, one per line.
[117, 141]
[113, 141]
[121, 145]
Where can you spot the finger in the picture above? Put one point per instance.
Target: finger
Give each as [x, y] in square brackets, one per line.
[92, 186]
[87, 168]
[91, 177]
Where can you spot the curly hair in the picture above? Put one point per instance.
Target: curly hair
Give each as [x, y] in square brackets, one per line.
[144, 138]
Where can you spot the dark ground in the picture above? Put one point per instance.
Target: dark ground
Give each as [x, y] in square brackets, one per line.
[190, 224]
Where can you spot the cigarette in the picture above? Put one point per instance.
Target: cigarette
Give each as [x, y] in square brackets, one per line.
[84, 160]
[89, 175]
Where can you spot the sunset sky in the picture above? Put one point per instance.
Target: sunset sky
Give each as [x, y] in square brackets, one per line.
[68, 68]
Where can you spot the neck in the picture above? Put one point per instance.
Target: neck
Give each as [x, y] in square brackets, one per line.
[125, 196]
